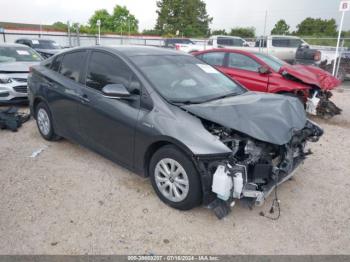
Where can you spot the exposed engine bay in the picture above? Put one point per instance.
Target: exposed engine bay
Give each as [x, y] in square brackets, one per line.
[319, 103]
[317, 100]
[254, 168]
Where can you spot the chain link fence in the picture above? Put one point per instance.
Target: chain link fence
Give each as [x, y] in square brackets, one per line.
[326, 45]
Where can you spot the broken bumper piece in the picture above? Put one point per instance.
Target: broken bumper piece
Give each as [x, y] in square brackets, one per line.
[255, 169]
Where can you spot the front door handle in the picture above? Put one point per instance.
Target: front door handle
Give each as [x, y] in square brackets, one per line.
[85, 99]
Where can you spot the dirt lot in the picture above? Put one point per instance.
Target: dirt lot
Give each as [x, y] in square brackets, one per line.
[69, 200]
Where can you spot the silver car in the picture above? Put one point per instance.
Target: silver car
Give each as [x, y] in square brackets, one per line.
[15, 61]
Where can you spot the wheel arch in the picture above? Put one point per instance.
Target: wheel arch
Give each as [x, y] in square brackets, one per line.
[161, 142]
[37, 100]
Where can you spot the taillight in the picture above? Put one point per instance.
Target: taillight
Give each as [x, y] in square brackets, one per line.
[317, 56]
[177, 47]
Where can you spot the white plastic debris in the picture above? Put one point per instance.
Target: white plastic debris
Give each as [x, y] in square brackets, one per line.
[311, 104]
[37, 152]
[222, 183]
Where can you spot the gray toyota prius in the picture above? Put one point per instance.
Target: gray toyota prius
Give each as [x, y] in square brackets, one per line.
[201, 137]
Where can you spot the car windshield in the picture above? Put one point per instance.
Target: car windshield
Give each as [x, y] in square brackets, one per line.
[18, 54]
[272, 61]
[186, 79]
[45, 44]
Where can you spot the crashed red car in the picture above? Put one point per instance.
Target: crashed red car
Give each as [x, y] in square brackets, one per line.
[264, 73]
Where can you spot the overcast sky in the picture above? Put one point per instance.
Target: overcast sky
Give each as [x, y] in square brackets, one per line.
[226, 13]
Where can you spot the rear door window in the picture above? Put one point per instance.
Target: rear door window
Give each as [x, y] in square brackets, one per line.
[72, 65]
[106, 69]
[244, 62]
[214, 58]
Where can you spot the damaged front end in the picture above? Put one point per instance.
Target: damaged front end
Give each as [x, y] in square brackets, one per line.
[254, 168]
[319, 103]
[317, 98]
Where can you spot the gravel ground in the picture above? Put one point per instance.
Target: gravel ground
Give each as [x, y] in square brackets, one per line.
[69, 200]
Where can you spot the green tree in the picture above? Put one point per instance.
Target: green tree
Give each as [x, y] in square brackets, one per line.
[60, 26]
[317, 26]
[152, 32]
[244, 32]
[218, 32]
[104, 17]
[281, 28]
[123, 21]
[189, 17]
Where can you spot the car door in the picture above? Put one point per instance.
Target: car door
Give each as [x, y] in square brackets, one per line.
[285, 48]
[245, 70]
[63, 91]
[108, 124]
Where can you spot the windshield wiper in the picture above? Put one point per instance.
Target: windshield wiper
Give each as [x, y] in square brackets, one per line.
[185, 102]
[220, 97]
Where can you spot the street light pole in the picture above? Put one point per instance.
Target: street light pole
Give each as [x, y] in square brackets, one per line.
[98, 23]
[129, 25]
[69, 34]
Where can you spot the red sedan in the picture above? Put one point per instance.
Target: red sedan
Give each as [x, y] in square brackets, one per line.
[264, 73]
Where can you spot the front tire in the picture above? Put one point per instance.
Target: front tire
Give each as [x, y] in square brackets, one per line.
[175, 179]
[44, 122]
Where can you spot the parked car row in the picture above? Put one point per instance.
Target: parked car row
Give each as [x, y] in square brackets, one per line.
[280, 46]
[199, 135]
[44, 47]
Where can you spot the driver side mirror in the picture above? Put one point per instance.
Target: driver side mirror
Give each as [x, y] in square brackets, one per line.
[264, 70]
[115, 91]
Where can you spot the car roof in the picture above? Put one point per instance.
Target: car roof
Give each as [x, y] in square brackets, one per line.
[226, 50]
[130, 50]
[12, 45]
[226, 36]
[39, 39]
[285, 36]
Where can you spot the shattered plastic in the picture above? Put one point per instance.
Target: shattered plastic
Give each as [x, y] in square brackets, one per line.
[266, 117]
[312, 75]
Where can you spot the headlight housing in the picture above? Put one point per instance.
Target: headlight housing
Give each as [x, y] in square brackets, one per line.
[5, 80]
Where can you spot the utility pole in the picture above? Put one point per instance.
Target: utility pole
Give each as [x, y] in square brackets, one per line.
[265, 23]
[344, 7]
[264, 38]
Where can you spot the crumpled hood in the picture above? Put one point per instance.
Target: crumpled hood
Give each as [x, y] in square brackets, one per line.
[16, 67]
[48, 51]
[312, 75]
[266, 117]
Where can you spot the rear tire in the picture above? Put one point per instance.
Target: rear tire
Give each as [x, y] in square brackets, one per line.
[175, 179]
[44, 122]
